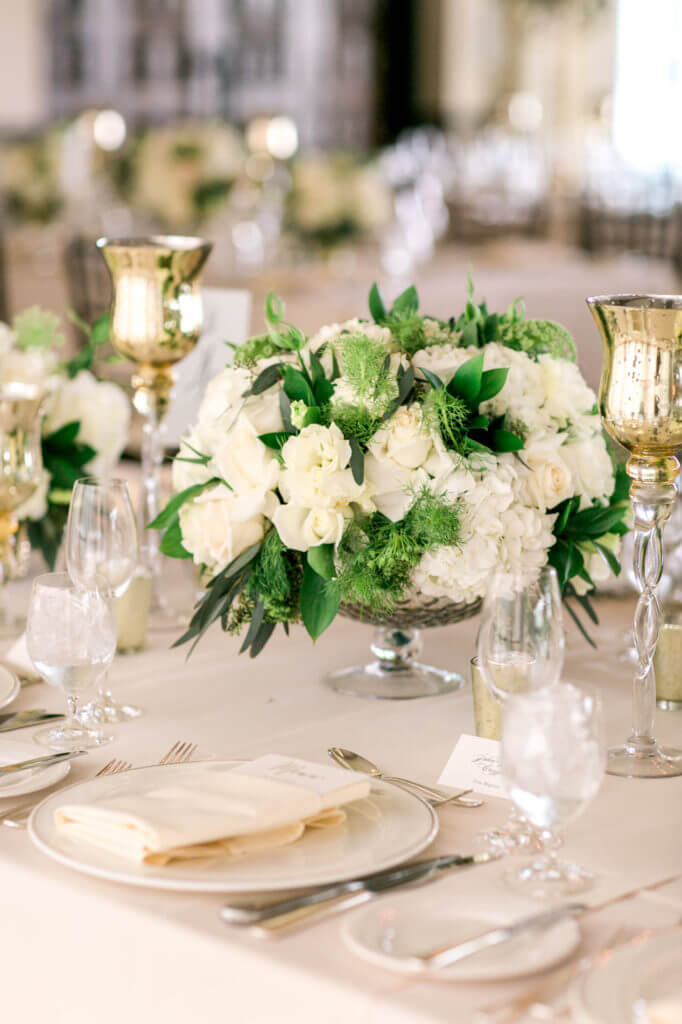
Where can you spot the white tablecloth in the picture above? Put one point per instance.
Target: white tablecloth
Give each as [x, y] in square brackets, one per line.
[78, 950]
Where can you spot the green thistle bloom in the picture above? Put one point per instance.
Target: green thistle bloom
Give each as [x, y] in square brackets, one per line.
[37, 328]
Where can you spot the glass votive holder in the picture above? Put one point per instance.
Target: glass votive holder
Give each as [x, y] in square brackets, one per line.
[668, 667]
[487, 709]
[131, 611]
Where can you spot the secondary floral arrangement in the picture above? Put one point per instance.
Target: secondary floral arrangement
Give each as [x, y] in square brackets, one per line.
[30, 173]
[336, 198]
[387, 459]
[86, 421]
[182, 173]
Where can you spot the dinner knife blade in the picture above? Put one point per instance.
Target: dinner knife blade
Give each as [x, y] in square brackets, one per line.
[372, 884]
[25, 719]
[446, 956]
[40, 762]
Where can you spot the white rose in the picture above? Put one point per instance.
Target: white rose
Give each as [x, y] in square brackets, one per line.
[187, 474]
[548, 480]
[303, 528]
[33, 366]
[218, 525]
[315, 473]
[566, 392]
[391, 487]
[590, 464]
[244, 461]
[403, 439]
[8, 338]
[443, 360]
[103, 411]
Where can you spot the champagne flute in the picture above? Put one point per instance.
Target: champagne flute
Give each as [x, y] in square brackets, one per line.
[101, 556]
[520, 648]
[71, 639]
[553, 758]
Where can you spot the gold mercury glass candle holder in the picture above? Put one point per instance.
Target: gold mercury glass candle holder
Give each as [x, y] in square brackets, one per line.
[156, 320]
[640, 400]
[21, 467]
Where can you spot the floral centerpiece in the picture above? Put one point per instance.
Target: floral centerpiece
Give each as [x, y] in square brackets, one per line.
[182, 173]
[390, 458]
[335, 198]
[30, 172]
[86, 420]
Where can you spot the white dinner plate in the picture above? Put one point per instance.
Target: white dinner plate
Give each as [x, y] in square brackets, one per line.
[381, 830]
[9, 686]
[31, 780]
[640, 983]
[389, 933]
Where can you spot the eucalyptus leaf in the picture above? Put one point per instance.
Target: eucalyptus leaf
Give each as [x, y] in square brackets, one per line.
[170, 512]
[433, 379]
[357, 460]
[265, 379]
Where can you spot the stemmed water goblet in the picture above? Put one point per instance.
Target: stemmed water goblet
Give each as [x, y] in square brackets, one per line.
[520, 649]
[101, 557]
[71, 639]
[553, 757]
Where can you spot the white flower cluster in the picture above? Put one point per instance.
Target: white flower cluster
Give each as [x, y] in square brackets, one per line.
[308, 492]
[330, 192]
[101, 408]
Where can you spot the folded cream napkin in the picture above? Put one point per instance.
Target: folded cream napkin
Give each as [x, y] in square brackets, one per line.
[19, 660]
[202, 811]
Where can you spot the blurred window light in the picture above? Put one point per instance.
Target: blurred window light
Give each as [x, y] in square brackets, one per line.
[281, 138]
[109, 129]
[648, 93]
[525, 112]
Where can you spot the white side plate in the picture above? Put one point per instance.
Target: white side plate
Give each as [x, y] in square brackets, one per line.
[9, 686]
[32, 780]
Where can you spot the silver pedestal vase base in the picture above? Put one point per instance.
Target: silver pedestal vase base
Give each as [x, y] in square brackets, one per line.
[395, 673]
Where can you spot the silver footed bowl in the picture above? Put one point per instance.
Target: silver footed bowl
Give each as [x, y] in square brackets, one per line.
[416, 612]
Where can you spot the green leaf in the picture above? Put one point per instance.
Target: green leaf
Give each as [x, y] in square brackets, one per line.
[610, 558]
[376, 305]
[407, 301]
[285, 410]
[64, 437]
[274, 309]
[505, 441]
[297, 387]
[357, 460]
[478, 423]
[170, 513]
[466, 383]
[313, 415]
[99, 332]
[275, 440]
[492, 382]
[171, 543]
[321, 560]
[433, 379]
[469, 335]
[265, 379]
[254, 625]
[236, 565]
[264, 633]
[575, 618]
[320, 601]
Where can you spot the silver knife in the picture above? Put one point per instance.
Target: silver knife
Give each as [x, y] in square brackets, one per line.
[40, 762]
[357, 890]
[445, 956]
[25, 719]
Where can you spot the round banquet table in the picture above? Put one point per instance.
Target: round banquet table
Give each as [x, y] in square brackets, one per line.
[76, 949]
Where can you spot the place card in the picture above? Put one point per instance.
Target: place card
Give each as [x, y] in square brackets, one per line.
[320, 778]
[475, 764]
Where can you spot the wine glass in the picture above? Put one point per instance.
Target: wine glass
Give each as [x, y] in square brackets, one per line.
[520, 648]
[101, 556]
[71, 639]
[553, 758]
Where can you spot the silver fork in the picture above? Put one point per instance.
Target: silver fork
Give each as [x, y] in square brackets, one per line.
[17, 816]
[179, 753]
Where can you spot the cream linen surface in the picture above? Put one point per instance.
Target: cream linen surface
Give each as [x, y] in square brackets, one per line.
[209, 811]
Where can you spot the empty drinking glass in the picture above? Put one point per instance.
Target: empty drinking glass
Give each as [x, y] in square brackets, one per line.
[553, 758]
[71, 639]
[101, 556]
[520, 648]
